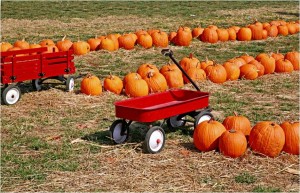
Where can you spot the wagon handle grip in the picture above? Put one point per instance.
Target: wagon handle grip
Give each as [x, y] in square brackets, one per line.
[168, 52]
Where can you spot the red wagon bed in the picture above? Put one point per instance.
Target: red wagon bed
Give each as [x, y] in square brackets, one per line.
[161, 105]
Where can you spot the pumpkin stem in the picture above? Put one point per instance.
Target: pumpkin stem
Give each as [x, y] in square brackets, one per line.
[273, 124]
[235, 113]
[191, 55]
[232, 131]
[64, 38]
[150, 74]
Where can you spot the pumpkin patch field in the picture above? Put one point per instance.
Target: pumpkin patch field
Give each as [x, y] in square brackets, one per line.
[244, 54]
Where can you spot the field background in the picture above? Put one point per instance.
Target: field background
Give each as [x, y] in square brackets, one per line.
[57, 141]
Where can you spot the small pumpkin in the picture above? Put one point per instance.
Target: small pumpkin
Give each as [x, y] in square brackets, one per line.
[171, 36]
[126, 41]
[267, 138]
[113, 84]
[21, 44]
[206, 135]
[249, 72]
[5, 46]
[94, 43]
[173, 75]
[107, 44]
[144, 69]
[244, 34]
[189, 62]
[232, 70]
[47, 42]
[232, 143]
[183, 36]
[216, 73]
[231, 34]
[292, 137]
[197, 31]
[272, 30]
[131, 76]
[91, 85]
[247, 58]
[160, 39]
[283, 65]
[196, 74]
[115, 39]
[259, 66]
[293, 57]
[81, 47]
[238, 123]
[283, 30]
[209, 35]
[136, 86]
[269, 63]
[277, 55]
[205, 63]
[145, 40]
[64, 44]
[223, 34]
[156, 82]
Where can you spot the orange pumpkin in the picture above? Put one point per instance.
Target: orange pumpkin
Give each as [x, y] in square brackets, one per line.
[91, 85]
[107, 44]
[136, 86]
[197, 31]
[244, 34]
[126, 41]
[283, 65]
[113, 84]
[145, 40]
[94, 43]
[144, 69]
[216, 73]
[205, 63]
[21, 44]
[232, 71]
[209, 35]
[293, 57]
[47, 42]
[269, 63]
[232, 143]
[267, 138]
[81, 47]
[171, 36]
[259, 66]
[156, 82]
[173, 75]
[292, 137]
[238, 123]
[247, 58]
[183, 37]
[5, 46]
[188, 62]
[64, 44]
[249, 72]
[115, 39]
[160, 39]
[131, 76]
[223, 34]
[283, 30]
[272, 30]
[206, 135]
[196, 74]
[232, 34]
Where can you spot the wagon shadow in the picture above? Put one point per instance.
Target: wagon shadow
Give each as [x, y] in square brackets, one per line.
[137, 134]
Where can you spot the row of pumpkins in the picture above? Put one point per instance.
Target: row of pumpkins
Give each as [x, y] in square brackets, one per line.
[154, 37]
[149, 79]
[233, 136]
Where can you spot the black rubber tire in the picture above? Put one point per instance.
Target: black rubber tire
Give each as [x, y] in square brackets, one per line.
[154, 140]
[173, 123]
[37, 84]
[115, 131]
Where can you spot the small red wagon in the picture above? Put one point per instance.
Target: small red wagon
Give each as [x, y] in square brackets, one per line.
[173, 106]
[35, 65]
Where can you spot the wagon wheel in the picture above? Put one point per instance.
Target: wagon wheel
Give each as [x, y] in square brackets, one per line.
[155, 140]
[119, 131]
[202, 116]
[37, 84]
[11, 94]
[175, 121]
[70, 84]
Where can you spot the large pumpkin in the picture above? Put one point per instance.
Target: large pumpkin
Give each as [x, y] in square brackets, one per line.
[292, 137]
[113, 84]
[267, 138]
[244, 34]
[144, 69]
[233, 143]
[160, 39]
[183, 36]
[94, 43]
[126, 41]
[145, 40]
[196, 74]
[5, 46]
[238, 123]
[173, 75]
[223, 34]
[107, 44]
[249, 72]
[21, 44]
[268, 62]
[284, 65]
[232, 71]
[91, 85]
[206, 135]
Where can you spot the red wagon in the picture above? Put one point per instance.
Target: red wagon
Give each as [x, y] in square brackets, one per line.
[35, 65]
[173, 106]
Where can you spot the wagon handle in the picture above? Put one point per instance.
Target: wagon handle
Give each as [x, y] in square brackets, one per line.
[168, 52]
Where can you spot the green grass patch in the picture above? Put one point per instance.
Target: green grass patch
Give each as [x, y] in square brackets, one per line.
[245, 178]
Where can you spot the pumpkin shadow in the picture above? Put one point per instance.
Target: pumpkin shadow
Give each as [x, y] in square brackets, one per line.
[288, 13]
